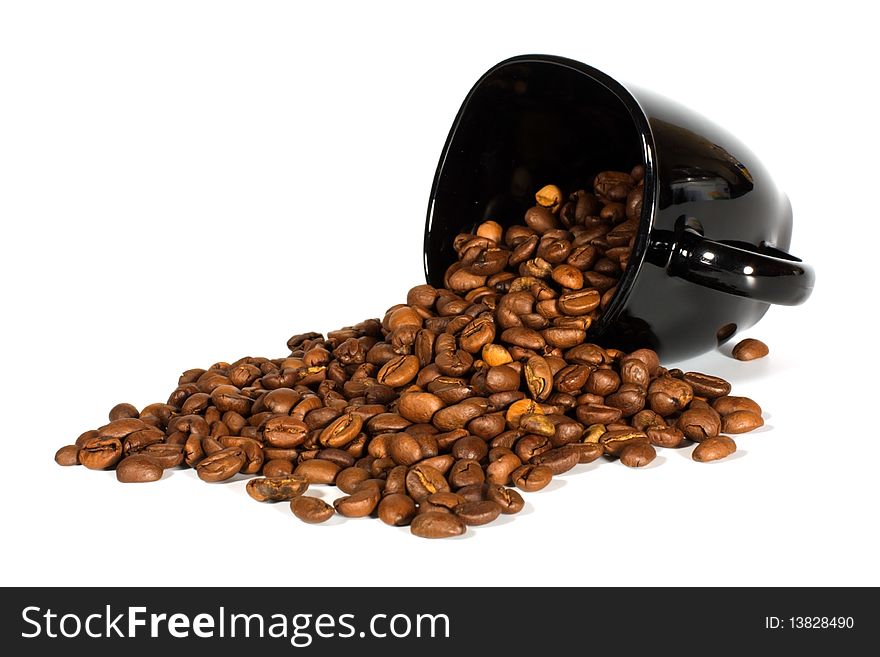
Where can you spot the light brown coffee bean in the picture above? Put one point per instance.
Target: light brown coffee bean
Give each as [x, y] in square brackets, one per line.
[221, 465]
[750, 349]
[531, 478]
[311, 509]
[731, 404]
[397, 509]
[706, 385]
[67, 455]
[478, 513]
[741, 422]
[638, 455]
[138, 469]
[317, 471]
[713, 449]
[277, 489]
[508, 499]
[437, 525]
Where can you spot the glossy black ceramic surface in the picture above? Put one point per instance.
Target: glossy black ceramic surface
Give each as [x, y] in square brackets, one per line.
[710, 255]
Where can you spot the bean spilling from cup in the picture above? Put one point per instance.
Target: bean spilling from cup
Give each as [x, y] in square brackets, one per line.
[439, 415]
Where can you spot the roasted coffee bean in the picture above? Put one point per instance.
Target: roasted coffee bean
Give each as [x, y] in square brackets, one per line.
[317, 471]
[419, 406]
[741, 422]
[404, 449]
[750, 349]
[615, 440]
[588, 452]
[478, 513]
[342, 430]
[665, 436]
[637, 455]
[165, 455]
[397, 509]
[67, 455]
[667, 395]
[285, 431]
[466, 472]
[498, 471]
[508, 499]
[122, 411]
[437, 525]
[138, 469]
[221, 465]
[312, 510]
[277, 489]
[713, 449]
[100, 453]
[277, 468]
[398, 371]
[423, 480]
[706, 385]
[531, 478]
[598, 414]
[359, 504]
[698, 424]
[629, 398]
[731, 404]
[559, 460]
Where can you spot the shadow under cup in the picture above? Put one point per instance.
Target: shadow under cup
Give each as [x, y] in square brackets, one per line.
[710, 253]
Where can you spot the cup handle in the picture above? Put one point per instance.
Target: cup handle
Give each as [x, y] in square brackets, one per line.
[783, 280]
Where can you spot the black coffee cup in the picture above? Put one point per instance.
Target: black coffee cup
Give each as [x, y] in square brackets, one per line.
[710, 254]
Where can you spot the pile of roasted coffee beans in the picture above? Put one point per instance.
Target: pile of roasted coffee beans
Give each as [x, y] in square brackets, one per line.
[437, 416]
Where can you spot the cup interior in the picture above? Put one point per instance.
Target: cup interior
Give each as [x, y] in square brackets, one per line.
[525, 124]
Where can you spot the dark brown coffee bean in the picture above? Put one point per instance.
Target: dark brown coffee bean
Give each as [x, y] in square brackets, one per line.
[277, 468]
[121, 428]
[531, 478]
[478, 513]
[100, 453]
[404, 449]
[629, 398]
[277, 489]
[615, 440]
[731, 404]
[397, 509]
[713, 449]
[221, 465]
[598, 414]
[706, 385]
[437, 525]
[359, 504]
[423, 480]
[419, 406]
[138, 440]
[502, 378]
[667, 395]
[588, 452]
[342, 430]
[166, 456]
[441, 463]
[558, 460]
[122, 411]
[750, 349]
[67, 455]
[311, 509]
[398, 371]
[317, 471]
[498, 471]
[138, 469]
[697, 424]
[444, 501]
[532, 445]
[338, 456]
[508, 499]
[741, 422]
[638, 455]
[665, 436]
[466, 472]
[285, 432]
[538, 377]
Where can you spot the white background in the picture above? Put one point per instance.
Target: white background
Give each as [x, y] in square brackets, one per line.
[188, 182]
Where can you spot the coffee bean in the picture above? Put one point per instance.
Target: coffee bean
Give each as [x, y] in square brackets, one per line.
[348, 479]
[276, 489]
[750, 349]
[419, 406]
[670, 437]
[466, 472]
[221, 465]
[138, 469]
[100, 453]
[317, 471]
[741, 422]
[588, 452]
[637, 455]
[311, 509]
[713, 449]
[423, 480]
[359, 504]
[478, 513]
[508, 499]
[165, 455]
[706, 385]
[122, 411]
[67, 455]
[277, 468]
[558, 460]
[730, 404]
[397, 509]
[437, 525]
[698, 424]
[531, 478]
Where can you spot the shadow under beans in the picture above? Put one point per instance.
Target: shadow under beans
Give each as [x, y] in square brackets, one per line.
[738, 454]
